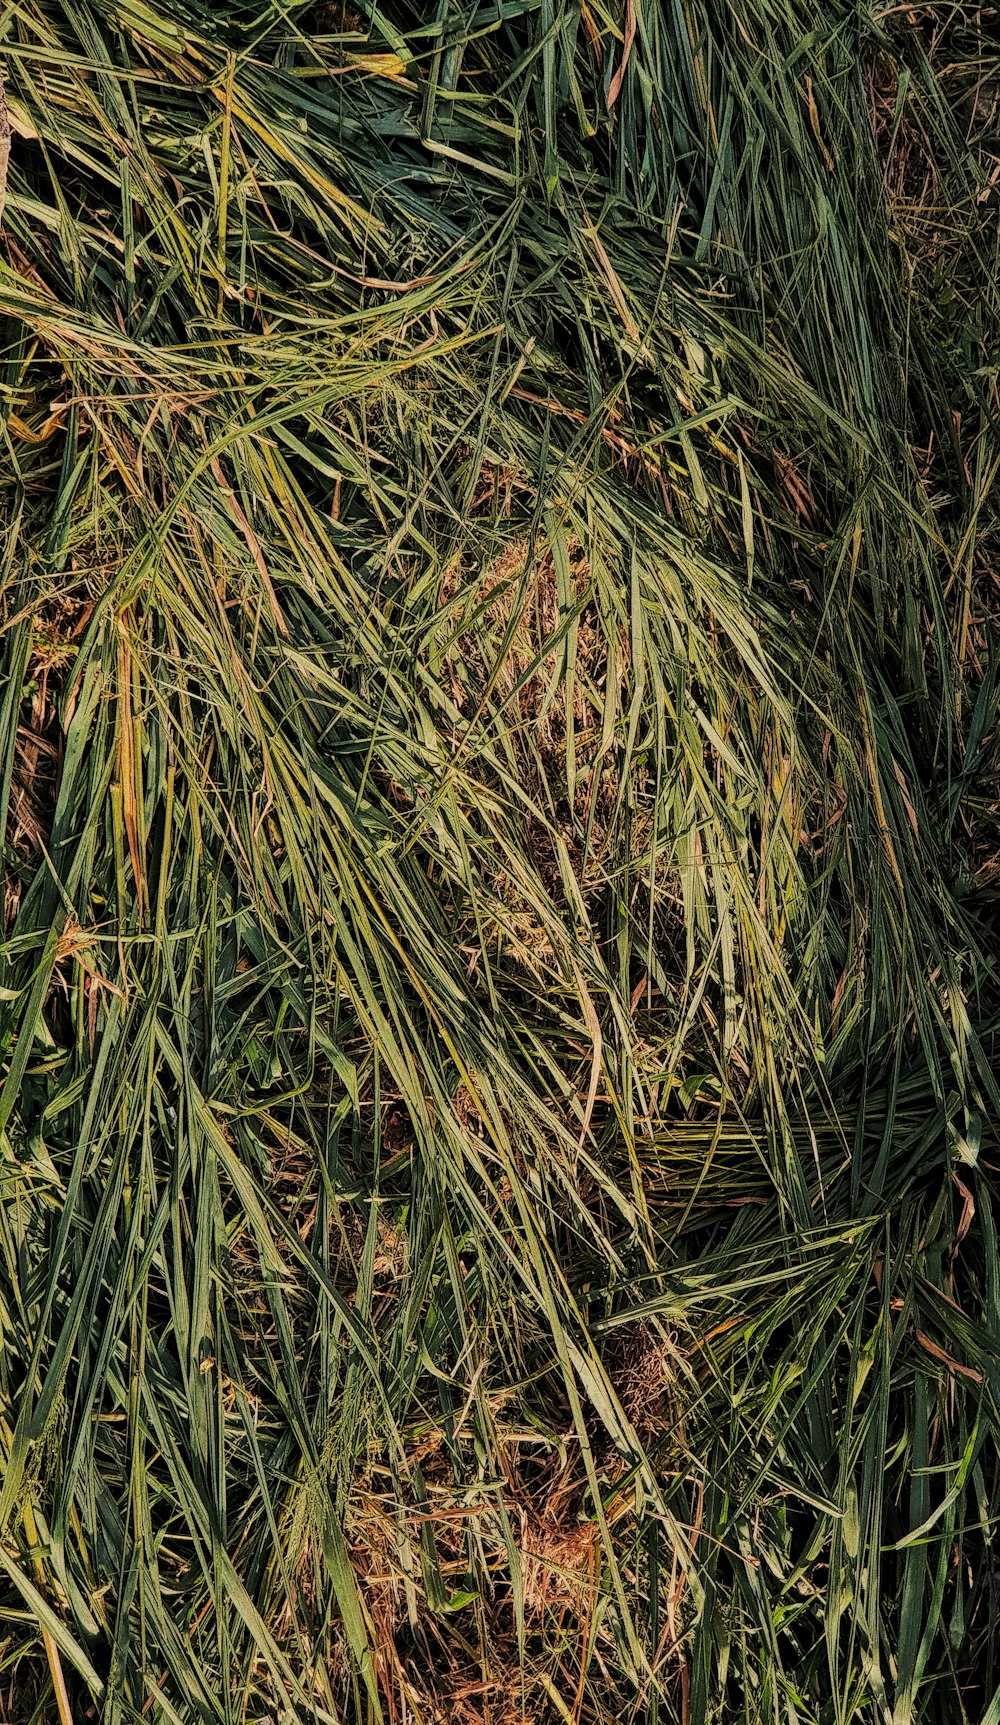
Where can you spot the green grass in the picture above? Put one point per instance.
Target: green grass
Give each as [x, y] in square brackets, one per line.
[499, 760]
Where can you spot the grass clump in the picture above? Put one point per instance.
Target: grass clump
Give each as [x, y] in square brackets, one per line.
[499, 770]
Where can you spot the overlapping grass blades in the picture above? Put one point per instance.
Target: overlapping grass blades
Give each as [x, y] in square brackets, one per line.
[498, 747]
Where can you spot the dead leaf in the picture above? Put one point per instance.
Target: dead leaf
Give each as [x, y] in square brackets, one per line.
[814, 123]
[252, 542]
[127, 762]
[4, 146]
[592, 32]
[594, 1026]
[907, 804]
[938, 1353]
[616, 83]
[968, 1210]
[797, 493]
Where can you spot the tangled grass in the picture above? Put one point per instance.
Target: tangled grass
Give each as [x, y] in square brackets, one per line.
[499, 767]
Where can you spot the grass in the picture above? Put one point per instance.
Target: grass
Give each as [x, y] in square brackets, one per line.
[499, 762]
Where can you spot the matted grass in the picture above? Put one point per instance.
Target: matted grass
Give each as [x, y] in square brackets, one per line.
[499, 763]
